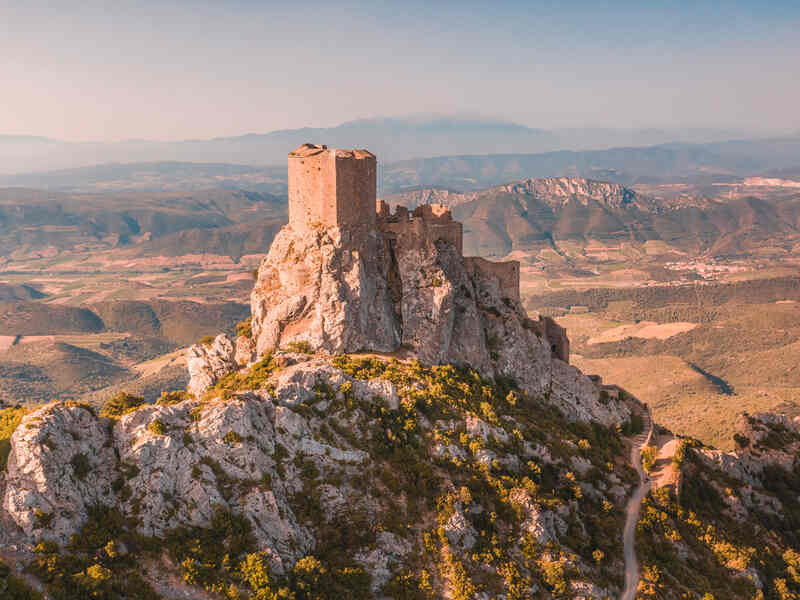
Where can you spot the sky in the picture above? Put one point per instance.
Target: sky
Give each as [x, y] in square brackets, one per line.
[173, 69]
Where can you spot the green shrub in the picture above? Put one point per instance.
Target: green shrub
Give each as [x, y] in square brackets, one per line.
[300, 347]
[10, 418]
[253, 379]
[634, 426]
[80, 465]
[245, 328]
[120, 405]
[206, 554]
[174, 397]
[85, 570]
[12, 588]
[157, 427]
[232, 438]
[206, 340]
[42, 519]
[649, 455]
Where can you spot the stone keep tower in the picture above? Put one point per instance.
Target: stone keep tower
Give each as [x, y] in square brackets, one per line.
[331, 188]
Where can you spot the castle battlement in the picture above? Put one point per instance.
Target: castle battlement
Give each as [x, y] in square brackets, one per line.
[427, 222]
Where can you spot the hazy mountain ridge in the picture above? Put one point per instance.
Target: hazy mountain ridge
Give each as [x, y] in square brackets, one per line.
[394, 139]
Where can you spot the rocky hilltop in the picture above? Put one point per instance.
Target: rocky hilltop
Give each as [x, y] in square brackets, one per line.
[554, 191]
[388, 424]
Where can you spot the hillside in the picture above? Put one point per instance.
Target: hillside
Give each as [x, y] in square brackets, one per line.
[536, 214]
[699, 353]
[39, 371]
[15, 293]
[181, 323]
[50, 351]
[233, 241]
[42, 224]
[37, 318]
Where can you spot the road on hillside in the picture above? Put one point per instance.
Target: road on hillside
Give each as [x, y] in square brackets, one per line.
[633, 507]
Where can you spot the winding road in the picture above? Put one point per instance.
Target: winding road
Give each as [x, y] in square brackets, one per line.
[633, 507]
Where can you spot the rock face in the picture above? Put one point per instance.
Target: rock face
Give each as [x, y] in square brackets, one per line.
[61, 463]
[208, 362]
[763, 440]
[320, 288]
[333, 293]
[555, 191]
[416, 296]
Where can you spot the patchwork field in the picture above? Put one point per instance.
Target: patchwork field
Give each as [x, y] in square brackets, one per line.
[739, 355]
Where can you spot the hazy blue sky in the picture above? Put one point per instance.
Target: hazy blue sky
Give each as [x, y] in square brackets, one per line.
[173, 69]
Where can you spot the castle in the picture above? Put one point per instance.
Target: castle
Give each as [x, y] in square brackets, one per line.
[332, 187]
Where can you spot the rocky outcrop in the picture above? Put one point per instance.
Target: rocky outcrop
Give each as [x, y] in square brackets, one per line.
[319, 290]
[326, 290]
[762, 439]
[207, 363]
[61, 463]
[170, 466]
[581, 399]
[555, 191]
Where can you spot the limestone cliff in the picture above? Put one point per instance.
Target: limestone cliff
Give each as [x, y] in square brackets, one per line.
[416, 296]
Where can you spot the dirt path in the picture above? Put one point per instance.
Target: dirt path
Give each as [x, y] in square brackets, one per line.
[632, 508]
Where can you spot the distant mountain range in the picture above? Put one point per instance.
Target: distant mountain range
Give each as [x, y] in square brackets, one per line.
[667, 163]
[536, 214]
[392, 139]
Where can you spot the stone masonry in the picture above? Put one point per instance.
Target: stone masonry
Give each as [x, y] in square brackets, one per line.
[331, 188]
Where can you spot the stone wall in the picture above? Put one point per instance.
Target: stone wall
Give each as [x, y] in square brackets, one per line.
[429, 222]
[557, 336]
[356, 187]
[506, 272]
[331, 188]
[312, 188]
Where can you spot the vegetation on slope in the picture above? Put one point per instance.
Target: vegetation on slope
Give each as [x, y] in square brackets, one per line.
[456, 449]
[717, 538]
[13, 588]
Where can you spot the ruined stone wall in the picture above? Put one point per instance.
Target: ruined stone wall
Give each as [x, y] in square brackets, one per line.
[331, 188]
[429, 222]
[507, 273]
[557, 336]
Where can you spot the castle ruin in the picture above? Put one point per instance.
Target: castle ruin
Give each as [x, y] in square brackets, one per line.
[332, 187]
